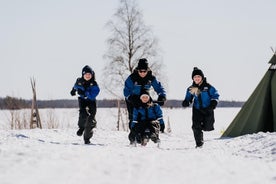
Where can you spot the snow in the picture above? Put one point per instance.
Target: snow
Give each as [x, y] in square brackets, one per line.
[58, 156]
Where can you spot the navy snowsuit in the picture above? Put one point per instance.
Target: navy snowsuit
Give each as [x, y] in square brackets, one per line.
[203, 111]
[135, 85]
[88, 91]
[146, 117]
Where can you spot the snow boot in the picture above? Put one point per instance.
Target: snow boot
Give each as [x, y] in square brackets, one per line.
[87, 142]
[154, 138]
[80, 131]
[133, 143]
[199, 145]
[145, 141]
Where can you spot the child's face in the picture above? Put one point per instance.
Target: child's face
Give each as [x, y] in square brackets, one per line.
[197, 79]
[145, 98]
[87, 76]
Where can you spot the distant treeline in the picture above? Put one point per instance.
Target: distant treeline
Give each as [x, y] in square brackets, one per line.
[18, 103]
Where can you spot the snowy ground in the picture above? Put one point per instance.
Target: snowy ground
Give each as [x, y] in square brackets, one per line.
[58, 156]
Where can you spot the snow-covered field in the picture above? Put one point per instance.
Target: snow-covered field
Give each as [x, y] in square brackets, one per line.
[57, 156]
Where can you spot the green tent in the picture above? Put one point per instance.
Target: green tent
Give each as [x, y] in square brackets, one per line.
[258, 114]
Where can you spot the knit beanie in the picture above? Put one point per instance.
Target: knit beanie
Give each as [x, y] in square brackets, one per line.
[87, 69]
[197, 71]
[143, 64]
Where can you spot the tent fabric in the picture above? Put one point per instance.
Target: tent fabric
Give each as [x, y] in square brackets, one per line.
[258, 114]
[273, 59]
[273, 100]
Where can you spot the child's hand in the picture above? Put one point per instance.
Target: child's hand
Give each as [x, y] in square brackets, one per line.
[81, 92]
[213, 104]
[185, 103]
[73, 92]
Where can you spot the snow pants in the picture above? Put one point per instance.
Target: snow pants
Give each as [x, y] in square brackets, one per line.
[203, 120]
[87, 112]
[145, 129]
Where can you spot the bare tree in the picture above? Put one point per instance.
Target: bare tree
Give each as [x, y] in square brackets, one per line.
[130, 41]
[35, 117]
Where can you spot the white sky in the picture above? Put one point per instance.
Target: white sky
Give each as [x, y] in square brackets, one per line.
[52, 40]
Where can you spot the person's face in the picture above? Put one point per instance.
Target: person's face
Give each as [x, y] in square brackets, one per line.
[145, 98]
[142, 73]
[87, 76]
[197, 79]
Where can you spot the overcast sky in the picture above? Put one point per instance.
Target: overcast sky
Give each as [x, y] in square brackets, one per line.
[51, 40]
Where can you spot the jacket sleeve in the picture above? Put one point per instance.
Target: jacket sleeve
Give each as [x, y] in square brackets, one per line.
[93, 92]
[135, 115]
[214, 93]
[158, 88]
[78, 85]
[79, 88]
[128, 87]
[188, 97]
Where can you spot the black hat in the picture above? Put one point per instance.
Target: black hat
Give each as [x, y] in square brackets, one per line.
[144, 93]
[87, 69]
[143, 64]
[197, 71]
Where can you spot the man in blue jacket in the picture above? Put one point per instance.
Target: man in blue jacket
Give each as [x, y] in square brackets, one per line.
[141, 80]
[205, 99]
[87, 89]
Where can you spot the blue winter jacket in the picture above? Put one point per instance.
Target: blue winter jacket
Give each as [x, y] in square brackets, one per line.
[90, 88]
[151, 112]
[204, 96]
[134, 85]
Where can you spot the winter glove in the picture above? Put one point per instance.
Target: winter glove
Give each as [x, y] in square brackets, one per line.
[73, 92]
[213, 104]
[162, 128]
[185, 103]
[81, 92]
[161, 100]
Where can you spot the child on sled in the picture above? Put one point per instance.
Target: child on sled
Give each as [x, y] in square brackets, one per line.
[147, 121]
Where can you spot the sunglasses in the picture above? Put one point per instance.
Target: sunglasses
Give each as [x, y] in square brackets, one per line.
[142, 71]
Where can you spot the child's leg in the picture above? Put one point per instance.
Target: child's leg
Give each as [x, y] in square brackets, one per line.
[197, 118]
[90, 121]
[82, 116]
[154, 131]
[208, 123]
[92, 109]
[136, 133]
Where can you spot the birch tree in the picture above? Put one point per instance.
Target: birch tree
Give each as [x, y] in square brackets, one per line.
[129, 41]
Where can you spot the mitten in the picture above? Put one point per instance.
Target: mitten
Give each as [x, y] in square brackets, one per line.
[81, 92]
[161, 100]
[73, 92]
[185, 103]
[213, 104]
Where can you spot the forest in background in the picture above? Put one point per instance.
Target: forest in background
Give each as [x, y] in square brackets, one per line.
[19, 103]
